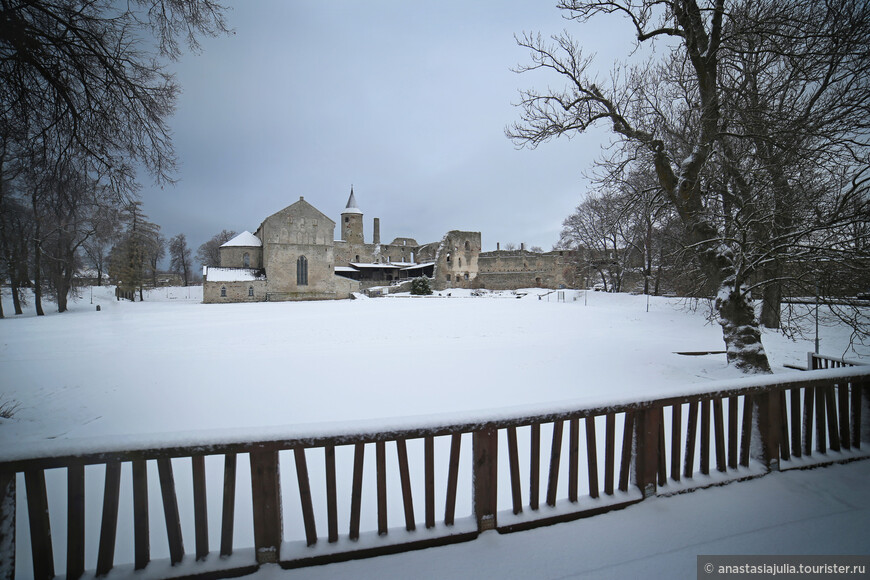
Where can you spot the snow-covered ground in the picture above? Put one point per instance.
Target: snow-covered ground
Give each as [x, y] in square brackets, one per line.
[819, 512]
[172, 365]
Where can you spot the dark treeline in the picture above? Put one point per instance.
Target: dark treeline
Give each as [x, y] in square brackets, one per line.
[84, 104]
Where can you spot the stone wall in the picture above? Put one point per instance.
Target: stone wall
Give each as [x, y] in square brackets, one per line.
[345, 287]
[298, 230]
[234, 257]
[235, 291]
[511, 269]
[456, 260]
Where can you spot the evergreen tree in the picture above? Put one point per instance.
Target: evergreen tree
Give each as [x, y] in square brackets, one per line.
[420, 286]
[129, 257]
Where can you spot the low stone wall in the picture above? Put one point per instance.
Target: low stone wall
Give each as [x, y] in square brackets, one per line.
[514, 280]
[345, 287]
[212, 292]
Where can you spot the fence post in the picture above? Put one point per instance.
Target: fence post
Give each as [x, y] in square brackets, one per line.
[767, 429]
[646, 449]
[7, 525]
[266, 497]
[484, 478]
[863, 428]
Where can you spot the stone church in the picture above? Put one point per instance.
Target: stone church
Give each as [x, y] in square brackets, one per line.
[294, 255]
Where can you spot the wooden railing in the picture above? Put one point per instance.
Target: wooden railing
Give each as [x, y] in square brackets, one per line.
[616, 455]
[820, 361]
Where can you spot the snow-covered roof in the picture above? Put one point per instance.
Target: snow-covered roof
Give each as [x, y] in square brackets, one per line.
[232, 274]
[246, 239]
[375, 265]
[416, 266]
[345, 269]
[351, 204]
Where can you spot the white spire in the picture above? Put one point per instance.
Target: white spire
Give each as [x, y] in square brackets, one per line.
[351, 204]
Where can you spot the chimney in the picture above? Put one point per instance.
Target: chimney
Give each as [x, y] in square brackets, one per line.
[497, 246]
[522, 246]
[377, 231]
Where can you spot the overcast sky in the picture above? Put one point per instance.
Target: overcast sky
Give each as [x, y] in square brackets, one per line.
[406, 101]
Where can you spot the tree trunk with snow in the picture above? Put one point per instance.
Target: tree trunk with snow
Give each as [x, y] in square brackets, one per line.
[686, 184]
[740, 330]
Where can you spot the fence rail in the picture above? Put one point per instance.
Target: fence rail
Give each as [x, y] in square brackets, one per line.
[522, 474]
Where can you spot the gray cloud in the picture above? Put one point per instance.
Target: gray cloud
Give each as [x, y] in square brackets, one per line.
[408, 103]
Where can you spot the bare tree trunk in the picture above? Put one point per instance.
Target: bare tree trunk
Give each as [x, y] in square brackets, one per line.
[16, 299]
[771, 302]
[63, 283]
[37, 275]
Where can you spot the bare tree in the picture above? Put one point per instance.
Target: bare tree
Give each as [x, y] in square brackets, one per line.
[86, 78]
[673, 121]
[155, 250]
[595, 226]
[96, 248]
[209, 253]
[84, 90]
[179, 257]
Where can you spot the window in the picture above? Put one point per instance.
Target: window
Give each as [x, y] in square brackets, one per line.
[356, 259]
[346, 219]
[448, 277]
[223, 291]
[246, 260]
[460, 262]
[251, 291]
[448, 257]
[302, 271]
[467, 245]
[466, 276]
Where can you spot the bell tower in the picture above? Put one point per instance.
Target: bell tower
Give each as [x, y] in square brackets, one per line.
[352, 222]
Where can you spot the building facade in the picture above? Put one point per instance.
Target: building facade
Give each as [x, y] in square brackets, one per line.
[293, 255]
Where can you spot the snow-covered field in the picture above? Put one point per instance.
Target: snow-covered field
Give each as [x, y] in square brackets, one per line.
[171, 365]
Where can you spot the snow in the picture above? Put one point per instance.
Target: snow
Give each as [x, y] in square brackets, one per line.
[360, 265]
[171, 369]
[246, 239]
[820, 511]
[415, 266]
[172, 364]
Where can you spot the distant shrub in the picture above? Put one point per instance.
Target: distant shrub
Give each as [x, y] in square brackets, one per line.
[421, 287]
[7, 408]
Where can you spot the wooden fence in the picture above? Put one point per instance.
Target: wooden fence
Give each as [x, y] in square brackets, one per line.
[615, 456]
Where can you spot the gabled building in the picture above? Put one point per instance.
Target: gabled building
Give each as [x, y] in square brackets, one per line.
[294, 255]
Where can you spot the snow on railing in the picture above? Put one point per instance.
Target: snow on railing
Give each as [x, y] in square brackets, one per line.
[616, 455]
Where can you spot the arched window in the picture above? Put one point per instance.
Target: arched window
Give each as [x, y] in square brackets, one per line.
[223, 291]
[467, 245]
[302, 271]
[246, 260]
[251, 291]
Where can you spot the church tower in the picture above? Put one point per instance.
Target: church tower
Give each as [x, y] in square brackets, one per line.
[352, 222]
